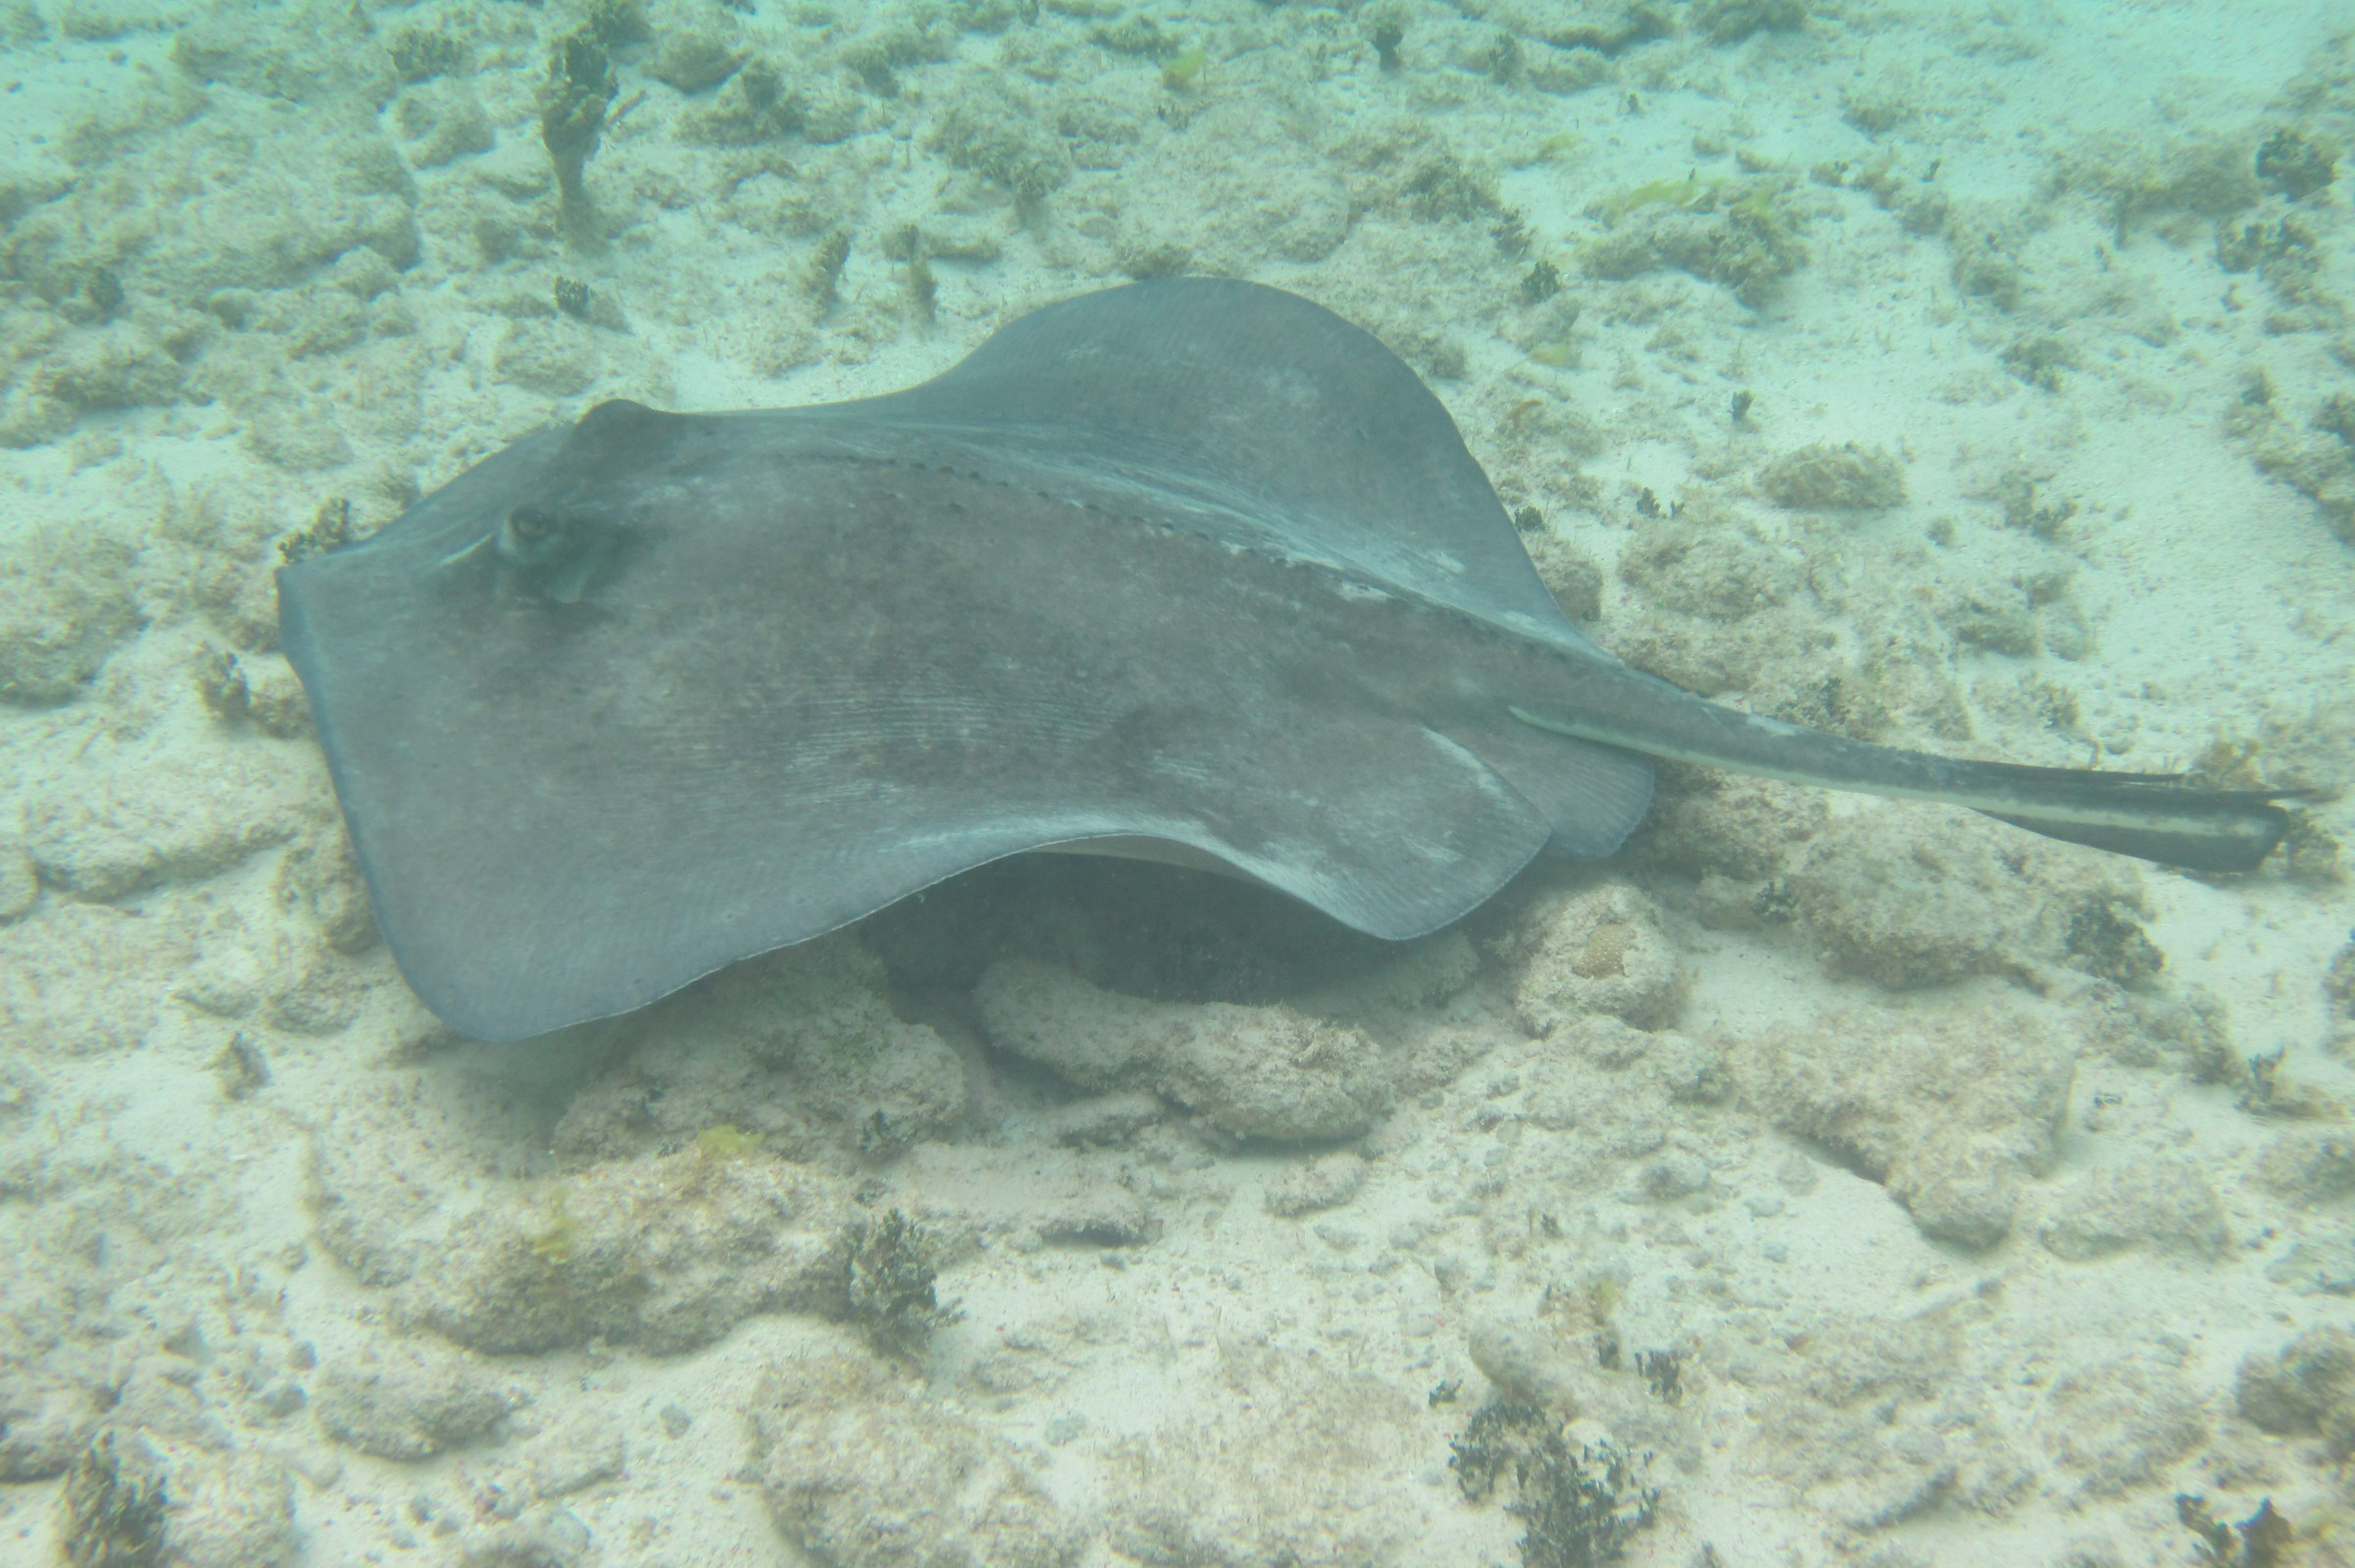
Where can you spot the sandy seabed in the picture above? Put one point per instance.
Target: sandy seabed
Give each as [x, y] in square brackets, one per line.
[1816, 1182]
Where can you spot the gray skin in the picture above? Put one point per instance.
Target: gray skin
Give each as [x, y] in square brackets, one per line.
[1192, 569]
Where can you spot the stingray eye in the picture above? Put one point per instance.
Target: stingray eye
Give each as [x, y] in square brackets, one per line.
[554, 553]
[530, 535]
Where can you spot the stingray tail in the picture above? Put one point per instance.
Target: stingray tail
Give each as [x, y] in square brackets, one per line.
[2164, 819]
[2153, 817]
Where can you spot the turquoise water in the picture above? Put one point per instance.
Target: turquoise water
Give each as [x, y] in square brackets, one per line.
[1818, 1180]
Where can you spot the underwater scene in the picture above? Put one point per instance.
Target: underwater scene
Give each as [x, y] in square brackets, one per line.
[1228, 784]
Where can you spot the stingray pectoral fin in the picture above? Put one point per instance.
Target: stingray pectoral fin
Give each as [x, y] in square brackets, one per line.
[2152, 817]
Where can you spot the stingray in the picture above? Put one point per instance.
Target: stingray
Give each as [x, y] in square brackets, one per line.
[1189, 569]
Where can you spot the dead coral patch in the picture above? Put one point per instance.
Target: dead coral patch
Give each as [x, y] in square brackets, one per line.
[1708, 566]
[1319, 1491]
[159, 813]
[2308, 1386]
[1827, 477]
[134, 1499]
[2161, 1203]
[65, 606]
[1714, 607]
[173, 230]
[1734, 832]
[1605, 27]
[1325, 1183]
[1725, 21]
[2314, 455]
[862, 1470]
[45, 968]
[95, 368]
[409, 1400]
[799, 1051]
[1404, 168]
[1949, 1111]
[2123, 1423]
[1865, 1419]
[1911, 901]
[1257, 1073]
[1742, 236]
[667, 1252]
[996, 130]
[317, 52]
[1600, 950]
[1623, 1091]
[2162, 182]
[1234, 191]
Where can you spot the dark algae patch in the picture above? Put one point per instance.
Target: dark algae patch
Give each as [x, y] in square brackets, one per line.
[1581, 1502]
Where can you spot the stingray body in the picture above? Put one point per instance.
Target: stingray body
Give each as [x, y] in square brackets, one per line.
[1190, 567]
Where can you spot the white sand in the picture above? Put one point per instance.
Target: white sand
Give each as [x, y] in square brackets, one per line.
[1964, 1273]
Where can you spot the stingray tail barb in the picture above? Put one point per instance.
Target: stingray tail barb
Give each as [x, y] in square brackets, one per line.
[2161, 817]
